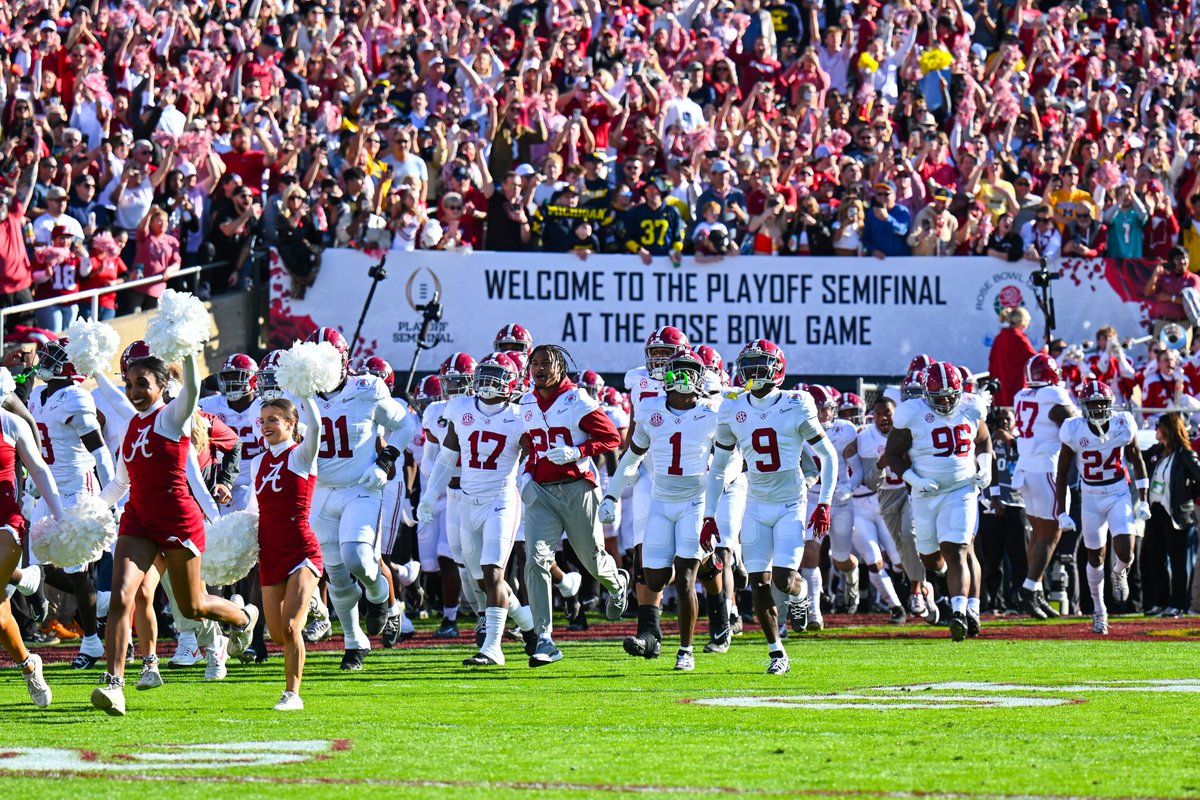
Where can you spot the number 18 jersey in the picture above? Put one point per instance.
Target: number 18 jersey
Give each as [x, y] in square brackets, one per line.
[943, 446]
[770, 440]
[489, 439]
[1100, 456]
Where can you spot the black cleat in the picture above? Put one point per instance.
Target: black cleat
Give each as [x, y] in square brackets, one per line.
[1029, 603]
[1050, 611]
[248, 656]
[530, 638]
[480, 660]
[375, 618]
[262, 656]
[480, 631]
[958, 626]
[84, 661]
[719, 643]
[391, 632]
[448, 630]
[637, 645]
[579, 622]
[898, 616]
[972, 625]
[353, 659]
[798, 614]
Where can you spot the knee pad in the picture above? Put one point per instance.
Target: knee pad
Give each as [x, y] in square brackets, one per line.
[343, 591]
[359, 558]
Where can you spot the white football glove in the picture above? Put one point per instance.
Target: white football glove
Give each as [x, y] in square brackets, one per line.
[1066, 522]
[374, 478]
[425, 511]
[608, 511]
[923, 487]
[983, 479]
[1141, 510]
[406, 513]
[563, 455]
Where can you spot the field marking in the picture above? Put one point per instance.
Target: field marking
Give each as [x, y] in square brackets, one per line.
[874, 702]
[34, 760]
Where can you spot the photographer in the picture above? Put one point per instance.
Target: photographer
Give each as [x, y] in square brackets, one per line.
[766, 231]
[1165, 288]
[298, 240]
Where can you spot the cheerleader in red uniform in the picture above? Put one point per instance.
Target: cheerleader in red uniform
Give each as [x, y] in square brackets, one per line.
[289, 565]
[161, 516]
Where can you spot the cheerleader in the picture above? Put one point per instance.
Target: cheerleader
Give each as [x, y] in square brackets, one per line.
[161, 516]
[290, 562]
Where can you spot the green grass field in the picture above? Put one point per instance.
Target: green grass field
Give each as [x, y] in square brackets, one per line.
[414, 723]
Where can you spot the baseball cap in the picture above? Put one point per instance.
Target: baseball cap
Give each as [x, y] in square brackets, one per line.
[271, 40]
[1025, 176]
[525, 170]
[592, 158]
[941, 193]
[56, 193]
[47, 25]
[186, 169]
[886, 186]
[60, 230]
[1155, 185]
[720, 165]
[425, 47]
[562, 187]
[461, 172]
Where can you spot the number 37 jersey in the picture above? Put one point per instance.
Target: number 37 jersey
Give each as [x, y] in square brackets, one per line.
[943, 446]
[1100, 456]
[489, 443]
[351, 420]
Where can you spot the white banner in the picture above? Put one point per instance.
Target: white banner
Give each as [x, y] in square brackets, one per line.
[831, 316]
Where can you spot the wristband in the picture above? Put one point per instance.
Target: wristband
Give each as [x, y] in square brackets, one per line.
[387, 458]
[1141, 483]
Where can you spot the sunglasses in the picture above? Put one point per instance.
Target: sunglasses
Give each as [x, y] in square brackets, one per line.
[454, 207]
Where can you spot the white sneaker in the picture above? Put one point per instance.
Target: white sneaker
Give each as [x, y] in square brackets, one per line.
[1100, 623]
[239, 638]
[779, 665]
[103, 599]
[685, 661]
[916, 604]
[39, 690]
[150, 677]
[570, 584]
[289, 701]
[187, 651]
[217, 653]
[109, 696]
[1120, 585]
[317, 609]
[317, 630]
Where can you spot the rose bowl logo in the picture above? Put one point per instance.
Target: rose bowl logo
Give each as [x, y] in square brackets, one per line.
[1083, 442]
[468, 419]
[929, 417]
[528, 416]
[643, 383]
[656, 419]
[741, 416]
[1008, 297]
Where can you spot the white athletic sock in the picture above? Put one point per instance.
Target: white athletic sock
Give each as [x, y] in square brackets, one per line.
[408, 573]
[973, 606]
[776, 649]
[1120, 566]
[92, 646]
[396, 610]
[958, 604]
[940, 570]
[1095, 576]
[812, 576]
[883, 584]
[495, 630]
[450, 613]
[468, 591]
[518, 613]
[1031, 585]
[31, 579]
[685, 649]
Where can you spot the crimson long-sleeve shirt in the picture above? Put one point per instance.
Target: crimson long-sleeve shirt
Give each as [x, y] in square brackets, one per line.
[569, 417]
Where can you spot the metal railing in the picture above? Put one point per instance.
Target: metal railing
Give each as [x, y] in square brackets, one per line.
[94, 295]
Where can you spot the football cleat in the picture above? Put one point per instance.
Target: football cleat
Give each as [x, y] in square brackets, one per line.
[187, 651]
[545, 652]
[641, 644]
[391, 632]
[218, 651]
[448, 629]
[317, 630]
[719, 643]
[1050, 611]
[816, 622]
[1030, 605]
[530, 638]
[482, 660]
[972, 625]
[375, 617]
[898, 616]
[353, 658]
[617, 601]
[685, 661]
[958, 626]
[35, 682]
[239, 638]
[84, 661]
[289, 701]
[150, 677]
[250, 656]
[916, 604]
[1100, 623]
[109, 696]
[779, 665]
[1120, 585]
[798, 611]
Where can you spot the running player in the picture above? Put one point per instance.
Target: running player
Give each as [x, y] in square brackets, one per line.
[1099, 443]
[488, 433]
[769, 428]
[513, 337]
[680, 429]
[234, 405]
[351, 475]
[941, 447]
[1041, 409]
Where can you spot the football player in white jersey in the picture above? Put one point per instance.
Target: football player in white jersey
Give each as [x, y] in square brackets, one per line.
[485, 433]
[679, 428]
[1100, 443]
[644, 383]
[432, 545]
[941, 447]
[235, 406]
[1041, 408]
[769, 428]
[351, 475]
[74, 449]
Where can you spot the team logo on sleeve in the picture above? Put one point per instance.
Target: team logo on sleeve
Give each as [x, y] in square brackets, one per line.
[656, 419]
[468, 419]
[929, 417]
[741, 416]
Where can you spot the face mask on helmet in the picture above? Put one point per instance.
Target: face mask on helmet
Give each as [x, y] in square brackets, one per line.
[1098, 409]
[944, 401]
[656, 360]
[826, 414]
[268, 387]
[684, 378]
[235, 384]
[51, 359]
[492, 382]
[757, 370]
[455, 385]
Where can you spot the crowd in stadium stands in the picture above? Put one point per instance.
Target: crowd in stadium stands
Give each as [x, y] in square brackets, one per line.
[138, 138]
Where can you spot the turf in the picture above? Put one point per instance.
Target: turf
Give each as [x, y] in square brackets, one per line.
[414, 723]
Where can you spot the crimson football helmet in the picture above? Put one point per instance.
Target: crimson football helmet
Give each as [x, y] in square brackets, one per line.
[761, 363]
[1097, 400]
[609, 396]
[1042, 370]
[429, 390]
[684, 373]
[53, 361]
[513, 337]
[943, 387]
[136, 351]
[853, 408]
[496, 377]
[920, 363]
[591, 381]
[968, 379]
[711, 358]
[238, 377]
[268, 387]
[826, 403]
[374, 365]
[661, 346]
[335, 338]
[457, 372]
[521, 362]
[913, 386]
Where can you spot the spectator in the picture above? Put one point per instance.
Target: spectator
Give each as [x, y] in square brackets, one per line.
[230, 238]
[1004, 242]
[157, 254]
[1085, 235]
[55, 217]
[16, 274]
[1166, 384]
[1011, 351]
[935, 230]
[507, 223]
[886, 230]
[57, 268]
[107, 270]
[1174, 480]
[1126, 220]
[1165, 289]
[848, 228]
[1041, 237]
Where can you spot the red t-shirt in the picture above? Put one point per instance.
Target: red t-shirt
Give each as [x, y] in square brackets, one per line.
[15, 272]
[250, 165]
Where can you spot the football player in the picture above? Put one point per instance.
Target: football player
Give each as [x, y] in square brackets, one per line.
[351, 475]
[591, 382]
[1100, 443]
[1041, 408]
[941, 447]
[769, 428]
[680, 430]
[432, 545]
[73, 447]
[514, 337]
[235, 406]
[566, 428]
[487, 431]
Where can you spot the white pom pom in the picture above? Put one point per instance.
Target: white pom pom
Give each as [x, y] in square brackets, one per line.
[88, 530]
[180, 328]
[92, 346]
[431, 234]
[308, 368]
[231, 548]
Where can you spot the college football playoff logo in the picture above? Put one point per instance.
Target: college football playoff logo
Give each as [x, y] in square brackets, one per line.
[421, 286]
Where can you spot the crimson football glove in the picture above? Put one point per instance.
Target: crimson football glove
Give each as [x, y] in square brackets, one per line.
[709, 535]
[819, 521]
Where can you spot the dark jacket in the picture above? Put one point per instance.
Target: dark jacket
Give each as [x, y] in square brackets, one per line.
[1184, 483]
